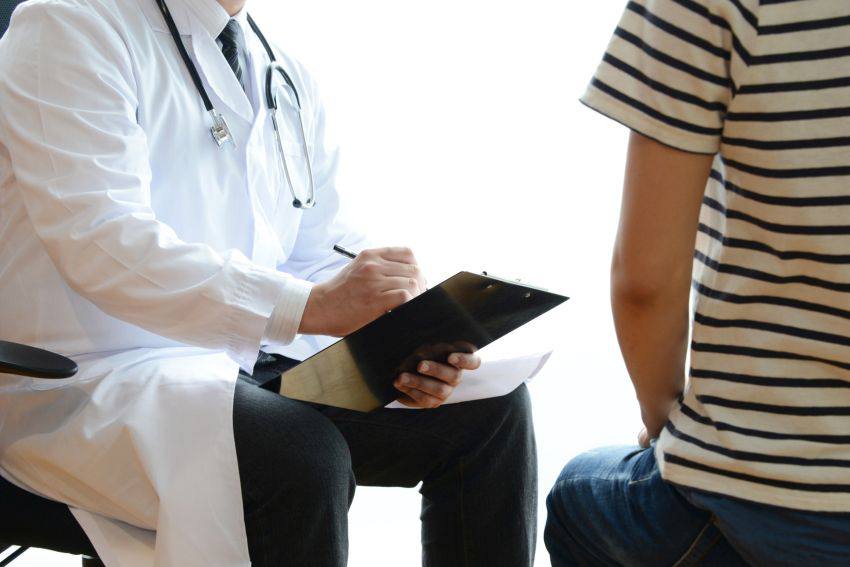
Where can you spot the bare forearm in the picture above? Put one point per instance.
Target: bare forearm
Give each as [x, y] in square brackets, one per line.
[652, 329]
[651, 271]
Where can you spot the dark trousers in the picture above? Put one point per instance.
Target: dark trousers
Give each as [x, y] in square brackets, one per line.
[300, 463]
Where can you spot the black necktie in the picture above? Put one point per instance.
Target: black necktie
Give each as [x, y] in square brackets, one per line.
[229, 39]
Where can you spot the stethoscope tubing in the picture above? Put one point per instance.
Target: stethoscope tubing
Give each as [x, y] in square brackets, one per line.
[220, 131]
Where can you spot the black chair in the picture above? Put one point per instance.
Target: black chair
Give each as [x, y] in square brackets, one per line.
[27, 520]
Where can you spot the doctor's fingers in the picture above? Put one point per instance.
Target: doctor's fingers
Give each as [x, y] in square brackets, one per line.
[389, 300]
[400, 269]
[391, 282]
[465, 361]
[374, 268]
[445, 373]
[427, 392]
[400, 254]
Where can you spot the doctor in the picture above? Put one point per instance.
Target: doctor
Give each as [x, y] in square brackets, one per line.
[156, 228]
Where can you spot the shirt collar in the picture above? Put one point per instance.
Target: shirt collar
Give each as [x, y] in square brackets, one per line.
[211, 15]
[242, 18]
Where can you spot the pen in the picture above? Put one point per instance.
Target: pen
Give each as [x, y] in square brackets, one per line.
[345, 252]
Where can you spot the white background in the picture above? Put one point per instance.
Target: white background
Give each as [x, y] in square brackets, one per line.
[463, 137]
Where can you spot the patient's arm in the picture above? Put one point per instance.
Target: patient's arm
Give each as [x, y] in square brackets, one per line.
[651, 270]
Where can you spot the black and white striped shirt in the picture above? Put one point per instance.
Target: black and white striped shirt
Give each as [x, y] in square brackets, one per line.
[764, 85]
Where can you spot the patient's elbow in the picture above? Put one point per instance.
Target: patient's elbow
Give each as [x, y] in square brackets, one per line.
[640, 284]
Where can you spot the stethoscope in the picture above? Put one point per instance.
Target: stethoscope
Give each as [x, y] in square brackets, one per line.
[276, 79]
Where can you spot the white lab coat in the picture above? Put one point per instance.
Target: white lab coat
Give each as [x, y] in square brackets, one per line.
[131, 242]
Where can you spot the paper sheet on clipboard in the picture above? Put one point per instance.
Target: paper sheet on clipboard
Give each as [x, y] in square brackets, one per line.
[494, 378]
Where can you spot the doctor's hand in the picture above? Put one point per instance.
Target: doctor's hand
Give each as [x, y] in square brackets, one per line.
[433, 382]
[375, 282]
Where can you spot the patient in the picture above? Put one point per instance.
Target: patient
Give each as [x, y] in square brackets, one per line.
[740, 141]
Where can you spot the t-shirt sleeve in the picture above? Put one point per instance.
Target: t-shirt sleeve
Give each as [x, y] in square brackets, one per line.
[666, 74]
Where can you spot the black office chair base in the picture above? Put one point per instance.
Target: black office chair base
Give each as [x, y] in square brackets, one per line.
[87, 561]
[29, 520]
[12, 556]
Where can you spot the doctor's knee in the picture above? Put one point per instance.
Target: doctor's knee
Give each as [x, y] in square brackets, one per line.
[288, 451]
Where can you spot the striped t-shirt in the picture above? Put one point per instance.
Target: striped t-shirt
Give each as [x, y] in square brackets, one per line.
[764, 85]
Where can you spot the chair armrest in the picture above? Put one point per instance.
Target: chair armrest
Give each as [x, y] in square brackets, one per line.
[30, 361]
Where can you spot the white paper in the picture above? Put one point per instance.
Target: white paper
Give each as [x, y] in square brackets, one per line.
[494, 378]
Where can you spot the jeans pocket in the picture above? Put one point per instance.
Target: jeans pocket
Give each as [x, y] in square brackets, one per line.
[645, 468]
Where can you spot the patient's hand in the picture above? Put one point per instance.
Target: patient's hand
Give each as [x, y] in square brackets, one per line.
[434, 382]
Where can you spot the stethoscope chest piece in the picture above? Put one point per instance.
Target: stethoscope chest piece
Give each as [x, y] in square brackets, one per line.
[220, 130]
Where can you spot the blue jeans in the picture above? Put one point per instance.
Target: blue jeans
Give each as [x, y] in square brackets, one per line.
[611, 507]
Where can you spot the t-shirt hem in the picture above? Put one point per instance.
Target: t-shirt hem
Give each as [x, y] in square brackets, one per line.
[685, 490]
[686, 478]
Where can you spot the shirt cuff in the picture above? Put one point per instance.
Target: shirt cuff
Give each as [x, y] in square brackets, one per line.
[282, 326]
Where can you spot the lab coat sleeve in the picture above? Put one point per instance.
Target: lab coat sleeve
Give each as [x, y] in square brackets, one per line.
[312, 257]
[67, 90]
[283, 325]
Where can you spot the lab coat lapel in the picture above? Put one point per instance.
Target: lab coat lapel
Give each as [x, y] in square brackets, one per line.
[259, 62]
[218, 74]
[211, 64]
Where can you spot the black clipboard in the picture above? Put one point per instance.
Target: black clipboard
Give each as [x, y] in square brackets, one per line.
[464, 313]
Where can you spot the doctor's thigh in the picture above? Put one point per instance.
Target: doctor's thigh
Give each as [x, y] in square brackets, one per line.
[299, 464]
